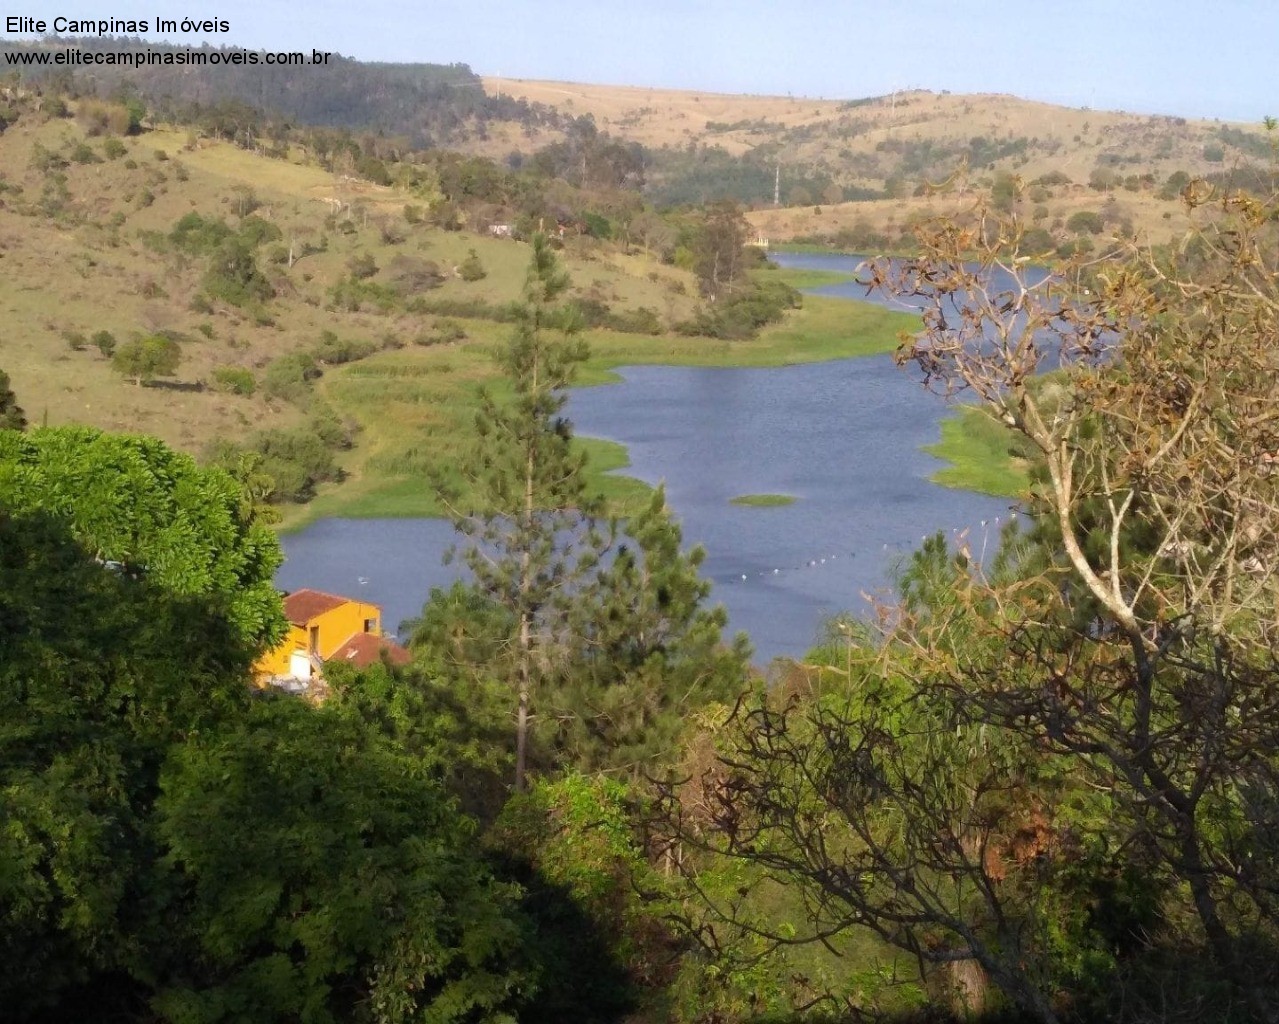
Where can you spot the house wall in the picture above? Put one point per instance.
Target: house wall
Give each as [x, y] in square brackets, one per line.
[337, 626]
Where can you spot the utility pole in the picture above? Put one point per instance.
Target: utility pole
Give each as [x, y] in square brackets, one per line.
[777, 187]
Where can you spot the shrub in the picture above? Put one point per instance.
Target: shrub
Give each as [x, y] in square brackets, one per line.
[113, 148]
[75, 340]
[472, 269]
[1085, 222]
[105, 341]
[362, 267]
[289, 377]
[410, 274]
[634, 321]
[82, 153]
[233, 275]
[235, 380]
[147, 358]
[254, 231]
[197, 235]
[335, 351]
[445, 332]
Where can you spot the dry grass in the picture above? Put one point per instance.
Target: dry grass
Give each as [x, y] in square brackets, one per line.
[79, 275]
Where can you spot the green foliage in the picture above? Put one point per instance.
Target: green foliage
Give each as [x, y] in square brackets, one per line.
[233, 275]
[134, 501]
[472, 269]
[1085, 222]
[289, 377]
[361, 878]
[198, 235]
[362, 266]
[235, 380]
[600, 912]
[741, 314]
[528, 513]
[334, 351]
[100, 669]
[144, 359]
[105, 342]
[646, 653]
[113, 148]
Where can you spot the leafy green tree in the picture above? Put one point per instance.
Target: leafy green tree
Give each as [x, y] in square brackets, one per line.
[233, 275]
[11, 415]
[144, 359]
[339, 883]
[719, 250]
[100, 670]
[526, 508]
[136, 503]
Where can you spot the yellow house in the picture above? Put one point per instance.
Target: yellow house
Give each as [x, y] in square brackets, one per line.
[325, 627]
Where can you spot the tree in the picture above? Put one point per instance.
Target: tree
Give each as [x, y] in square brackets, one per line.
[719, 250]
[646, 652]
[11, 415]
[137, 504]
[527, 508]
[1141, 646]
[100, 670]
[144, 359]
[339, 874]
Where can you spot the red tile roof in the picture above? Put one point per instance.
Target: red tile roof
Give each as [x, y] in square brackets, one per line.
[301, 606]
[365, 649]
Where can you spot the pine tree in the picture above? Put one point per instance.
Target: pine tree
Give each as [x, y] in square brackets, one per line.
[647, 652]
[527, 512]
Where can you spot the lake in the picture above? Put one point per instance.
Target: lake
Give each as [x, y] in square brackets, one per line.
[842, 437]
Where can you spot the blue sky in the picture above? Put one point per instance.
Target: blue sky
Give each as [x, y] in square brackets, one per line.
[1148, 56]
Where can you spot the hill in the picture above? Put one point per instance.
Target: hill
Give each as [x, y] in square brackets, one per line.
[872, 160]
[328, 329]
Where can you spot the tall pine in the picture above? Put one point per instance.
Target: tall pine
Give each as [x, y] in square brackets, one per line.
[524, 505]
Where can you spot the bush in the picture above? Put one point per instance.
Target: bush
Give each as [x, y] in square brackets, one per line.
[409, 274]
[289, 377]
[362, 267]
[82, 153]
[335, 351]
[147, 358]
[472, 269]
[75, 340]
[233, 275]
[254, 231]
[105, 342]
[634, 321]
[1085, 222]
[445, 332]
[740, 315]
[234, 380]
[197, 235]
[113, 148]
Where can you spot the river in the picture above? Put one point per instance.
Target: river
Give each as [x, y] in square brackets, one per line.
[842, 437]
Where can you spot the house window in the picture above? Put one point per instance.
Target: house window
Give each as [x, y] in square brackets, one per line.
[370, 625]
[315, 639]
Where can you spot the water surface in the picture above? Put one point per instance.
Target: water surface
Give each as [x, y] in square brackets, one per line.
[843, 437]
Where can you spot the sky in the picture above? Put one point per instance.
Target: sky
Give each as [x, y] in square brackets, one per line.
[1144, 56]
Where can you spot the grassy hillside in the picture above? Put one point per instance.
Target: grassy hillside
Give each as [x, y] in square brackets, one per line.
[88, 244]
[883, 150]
